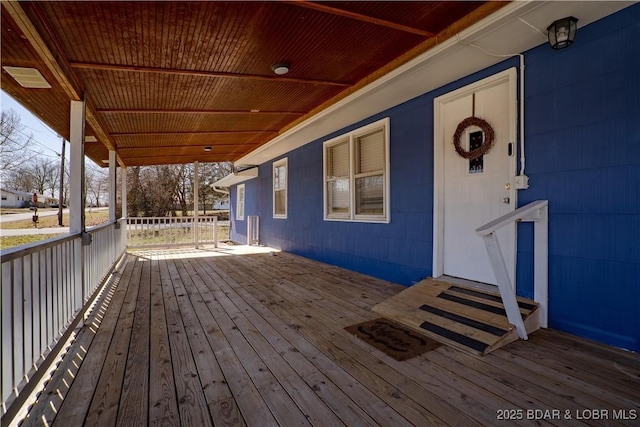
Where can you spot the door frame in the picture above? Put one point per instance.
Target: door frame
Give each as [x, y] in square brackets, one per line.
[510, 77]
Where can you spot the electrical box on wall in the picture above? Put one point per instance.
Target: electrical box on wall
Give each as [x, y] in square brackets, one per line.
[522, 182]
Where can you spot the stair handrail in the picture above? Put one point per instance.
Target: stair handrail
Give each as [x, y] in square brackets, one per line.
[538, 213]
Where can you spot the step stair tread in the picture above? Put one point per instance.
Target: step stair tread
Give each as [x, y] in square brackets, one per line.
[470, 319]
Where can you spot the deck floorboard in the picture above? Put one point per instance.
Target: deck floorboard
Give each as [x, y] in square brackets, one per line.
[229, 338]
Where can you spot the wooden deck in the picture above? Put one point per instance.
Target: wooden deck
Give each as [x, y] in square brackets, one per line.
[203, 337]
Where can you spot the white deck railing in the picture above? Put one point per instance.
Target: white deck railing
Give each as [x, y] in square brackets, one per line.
[171, 231]
[46, 288]
[536, 212]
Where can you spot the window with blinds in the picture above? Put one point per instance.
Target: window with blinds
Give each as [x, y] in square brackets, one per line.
[356, 175]
[369, 173]
[280, 189]
[337, 179]
[240, 203]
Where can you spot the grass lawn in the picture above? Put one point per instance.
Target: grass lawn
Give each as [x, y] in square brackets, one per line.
[91, 219]
[7, 242]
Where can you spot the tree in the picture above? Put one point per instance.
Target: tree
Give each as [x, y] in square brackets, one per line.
[96, 181]
[13, 143]
[158, 190]
[36, 175]
[44, 173]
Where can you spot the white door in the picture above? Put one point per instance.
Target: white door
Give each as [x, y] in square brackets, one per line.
[472, 193]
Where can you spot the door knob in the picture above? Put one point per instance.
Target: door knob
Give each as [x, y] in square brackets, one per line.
[506, 200]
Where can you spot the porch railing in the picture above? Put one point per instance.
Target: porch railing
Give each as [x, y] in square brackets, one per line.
[538, 213]
[171, 231]
[46, 289]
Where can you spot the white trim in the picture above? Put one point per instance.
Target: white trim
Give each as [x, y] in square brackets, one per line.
[349, 137]
[240, 212]
[282, 162]
[236, 177]
[438, 156]
[76, 171]
[112, 185]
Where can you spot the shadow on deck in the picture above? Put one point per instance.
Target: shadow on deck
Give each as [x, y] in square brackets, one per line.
[234, 337]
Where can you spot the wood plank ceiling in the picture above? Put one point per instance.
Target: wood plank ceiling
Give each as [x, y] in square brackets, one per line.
[165, 80]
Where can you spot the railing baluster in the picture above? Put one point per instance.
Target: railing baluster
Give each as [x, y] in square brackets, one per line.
[27, 311]
[7, 326]
[35, 306]
[18, 321]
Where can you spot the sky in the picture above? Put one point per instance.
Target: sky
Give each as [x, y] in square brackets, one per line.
[45, 140]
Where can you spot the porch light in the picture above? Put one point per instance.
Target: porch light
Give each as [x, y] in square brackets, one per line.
[207, 148]
[562, 32]
[280, 68]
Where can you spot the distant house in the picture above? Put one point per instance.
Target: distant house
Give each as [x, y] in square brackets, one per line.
[388, 195]
[23, 199]
[221, 205]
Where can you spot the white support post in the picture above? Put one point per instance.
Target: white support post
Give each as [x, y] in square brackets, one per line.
[76, 196]
[504, 284]
[76, 189]
[112, 186]
[196, 202]
[541, 264]
[123, 197]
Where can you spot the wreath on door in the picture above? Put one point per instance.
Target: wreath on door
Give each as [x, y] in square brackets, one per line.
[487, 144]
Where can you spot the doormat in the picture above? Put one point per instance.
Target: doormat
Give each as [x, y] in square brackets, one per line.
[392, 338]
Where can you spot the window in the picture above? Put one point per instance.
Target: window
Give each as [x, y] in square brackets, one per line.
[356, 175]
[280, 189]
[240, 202]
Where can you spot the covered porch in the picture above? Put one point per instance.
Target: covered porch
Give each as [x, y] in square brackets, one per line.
[252, 336]
[217, 336]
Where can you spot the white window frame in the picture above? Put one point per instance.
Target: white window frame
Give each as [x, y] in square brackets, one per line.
[351, 137]
[282, 162]
[240, 202]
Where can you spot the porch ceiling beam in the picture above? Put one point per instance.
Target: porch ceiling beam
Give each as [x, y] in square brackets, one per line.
[190, 155]
[196, 73]
[359, 17]
[213, 146]
[225, 112]
[23, 22]
[175, 160]
[217, 132]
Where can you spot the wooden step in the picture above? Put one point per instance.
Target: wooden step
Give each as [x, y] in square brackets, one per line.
[470, 319]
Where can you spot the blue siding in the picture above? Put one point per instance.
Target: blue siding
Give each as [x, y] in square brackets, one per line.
[583, 155]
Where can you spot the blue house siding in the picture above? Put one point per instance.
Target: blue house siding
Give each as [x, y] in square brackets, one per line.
[582, 154]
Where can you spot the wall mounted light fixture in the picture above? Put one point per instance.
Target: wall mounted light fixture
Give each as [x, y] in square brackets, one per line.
[562, 32]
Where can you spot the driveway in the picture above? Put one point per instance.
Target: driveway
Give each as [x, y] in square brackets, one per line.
[28, 214]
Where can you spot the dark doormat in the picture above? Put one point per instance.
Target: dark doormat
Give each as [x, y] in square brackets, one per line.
[392, 338]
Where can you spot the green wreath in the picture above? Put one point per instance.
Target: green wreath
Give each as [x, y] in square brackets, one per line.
[487, 144]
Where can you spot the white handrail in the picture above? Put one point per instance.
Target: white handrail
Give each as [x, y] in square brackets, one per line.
[536, 212]
[520, 214]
